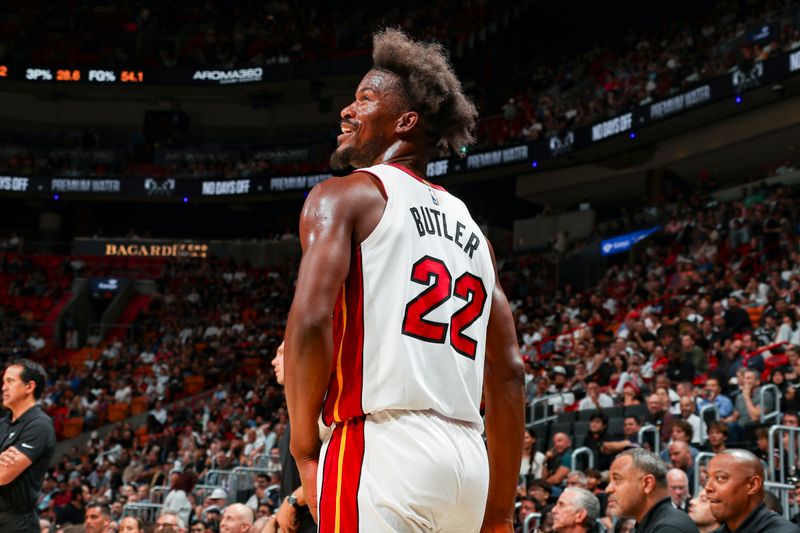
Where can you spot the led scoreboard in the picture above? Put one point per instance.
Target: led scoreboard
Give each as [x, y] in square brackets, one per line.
[115, 76]
[72, 75]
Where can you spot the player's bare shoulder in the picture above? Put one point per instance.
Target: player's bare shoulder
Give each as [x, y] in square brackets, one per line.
[356, 200]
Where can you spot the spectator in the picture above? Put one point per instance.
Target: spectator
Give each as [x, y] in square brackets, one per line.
[237, 518]
[533, 461]
[747, 409]
[527, 506]
[170, 522]
[594, 398]
[713, 395]
[680, 457]
[659, 416]
[541, 492]
[564, 397]
[131, 524]
[98, 518]
[577, 479]
[700, 513]
[694, 354]
[630, 429]
[678, 486]
[559, 459]
[596, 437]
[260, 493]
[717, 435]
[688, 407]
[177, 499]
[73, 512]
[576, 511]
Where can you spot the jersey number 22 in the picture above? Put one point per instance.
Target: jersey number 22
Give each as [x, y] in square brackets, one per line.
[434, 274]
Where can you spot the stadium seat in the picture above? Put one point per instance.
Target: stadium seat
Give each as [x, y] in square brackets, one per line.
[72, 427]
[138, 405]
[615, 426]
[579, 431]
[567, 416]
[117, 412]
[193, 384]
[541, 438]
[755, 314]
[559, 427]
[636, 410]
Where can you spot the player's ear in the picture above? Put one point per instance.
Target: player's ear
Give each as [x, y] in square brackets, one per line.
[407, 122]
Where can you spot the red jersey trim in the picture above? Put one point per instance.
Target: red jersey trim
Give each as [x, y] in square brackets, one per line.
[343, 400]
[418, 178]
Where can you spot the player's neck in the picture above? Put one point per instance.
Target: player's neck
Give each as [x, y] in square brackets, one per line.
[408, 155]
[21, 408]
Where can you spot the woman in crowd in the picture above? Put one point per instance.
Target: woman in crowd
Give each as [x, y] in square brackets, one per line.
[177, 499]
[533, 463]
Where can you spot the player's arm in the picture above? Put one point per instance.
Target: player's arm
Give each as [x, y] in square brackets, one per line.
[329, 224]
[12, 463]
[504, 393]
[557, 477]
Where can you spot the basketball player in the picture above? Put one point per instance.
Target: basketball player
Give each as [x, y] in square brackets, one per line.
[420, 326]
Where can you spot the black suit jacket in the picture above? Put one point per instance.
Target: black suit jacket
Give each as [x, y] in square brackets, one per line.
[290, 480]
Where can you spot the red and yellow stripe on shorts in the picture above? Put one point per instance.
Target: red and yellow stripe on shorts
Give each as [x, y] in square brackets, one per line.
[341, 477]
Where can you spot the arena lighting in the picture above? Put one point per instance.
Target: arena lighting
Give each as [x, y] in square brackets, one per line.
[632, 135]
[55, 197]
[186, 199]
[535, 164]
[738, 99]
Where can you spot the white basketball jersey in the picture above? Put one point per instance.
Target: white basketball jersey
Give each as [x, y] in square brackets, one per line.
[410, 322]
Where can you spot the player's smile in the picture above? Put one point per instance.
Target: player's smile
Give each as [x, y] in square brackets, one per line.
[348, 129]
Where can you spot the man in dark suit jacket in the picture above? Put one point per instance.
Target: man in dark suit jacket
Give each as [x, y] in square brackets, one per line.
[293, 514]
[678, 487]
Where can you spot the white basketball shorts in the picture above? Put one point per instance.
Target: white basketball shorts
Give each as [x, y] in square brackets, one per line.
[402, 472]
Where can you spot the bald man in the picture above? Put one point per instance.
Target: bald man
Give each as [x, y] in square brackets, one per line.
[678, 486]
[237, 518]
[735, 492]
[680, 456]
[559, 458]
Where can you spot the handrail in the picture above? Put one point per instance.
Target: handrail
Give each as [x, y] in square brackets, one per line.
[792, 434]
[650, 428]
[583, 450]
[545, 400]
[146, 512]
[784, 489]
[703, 424]
[250, 469]
[776, 413]
[158, 489]
[526, 525]
[697, 463]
